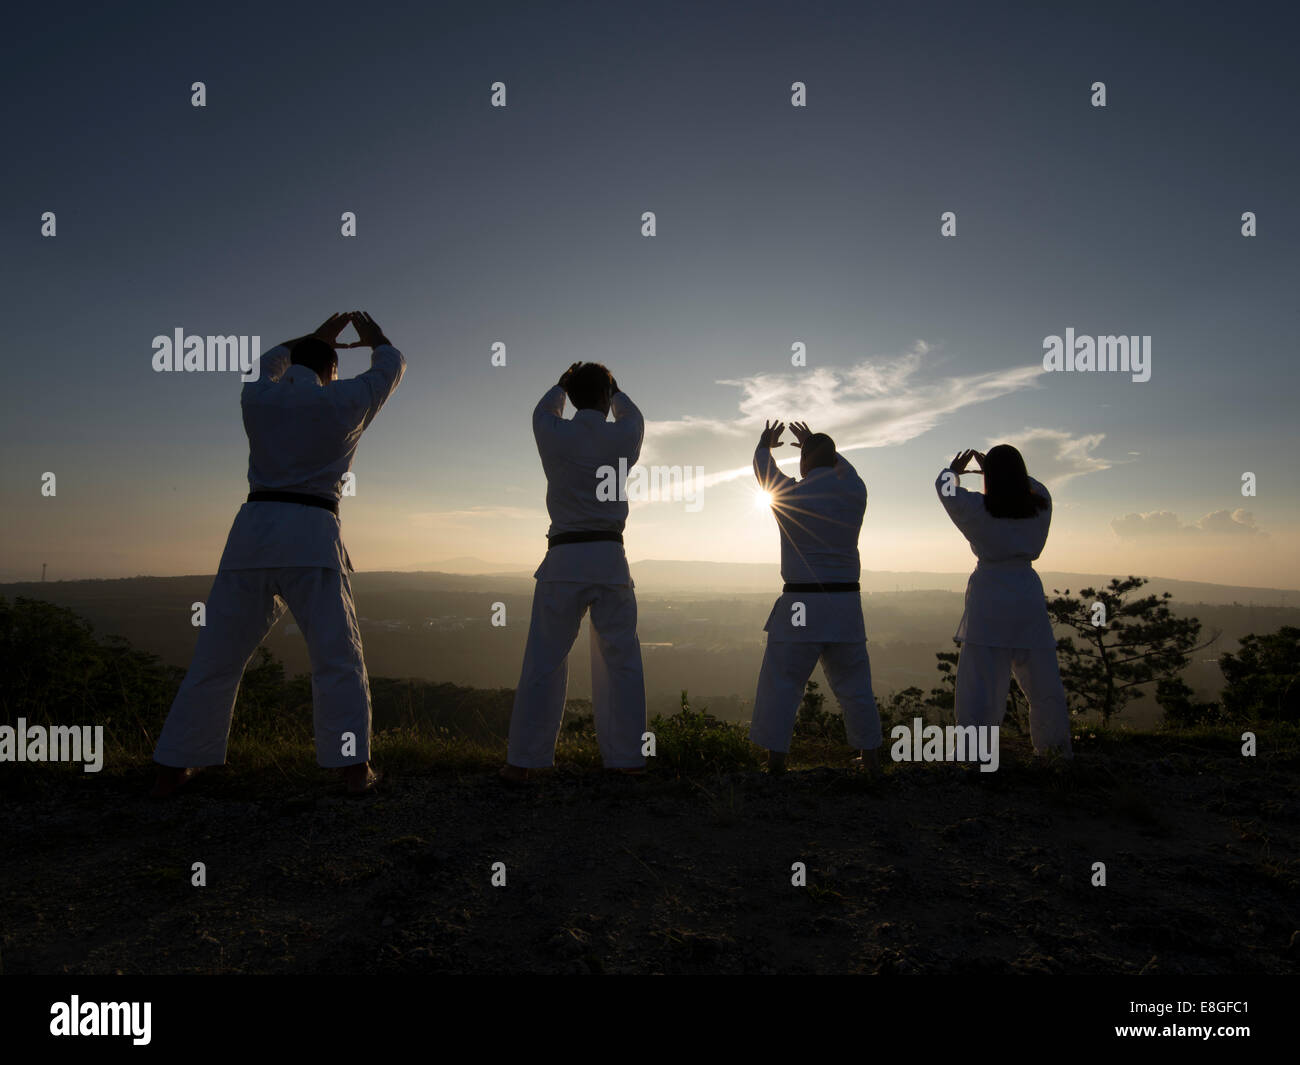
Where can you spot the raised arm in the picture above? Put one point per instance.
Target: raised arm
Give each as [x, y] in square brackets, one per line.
[629, 420]
[271, 366]
[844, 469]
[956, 500]
[549, 412]
[846, 472]
[330, 329]
[362, 396]
[770, 478]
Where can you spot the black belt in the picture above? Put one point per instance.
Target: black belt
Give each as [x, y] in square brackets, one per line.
[582, 538]
[331, 505]
[842, 586]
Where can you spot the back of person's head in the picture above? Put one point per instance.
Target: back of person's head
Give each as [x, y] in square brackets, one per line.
[317, 355]
[589, 386]
[818, 450]
[1006, 485]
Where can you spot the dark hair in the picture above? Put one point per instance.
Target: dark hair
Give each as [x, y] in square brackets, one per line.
[1006, 485]
[316, 354]
[588, 385]
[820, 450]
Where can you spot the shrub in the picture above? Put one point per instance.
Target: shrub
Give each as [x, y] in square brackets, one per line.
[691, 740]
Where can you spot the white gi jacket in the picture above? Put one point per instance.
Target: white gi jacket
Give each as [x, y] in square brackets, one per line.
[820, 518]
[572, 451]
[1005, 606]
[302, 437]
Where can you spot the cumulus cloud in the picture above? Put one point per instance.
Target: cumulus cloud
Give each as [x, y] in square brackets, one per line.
[1233, 523]
[1165, 523]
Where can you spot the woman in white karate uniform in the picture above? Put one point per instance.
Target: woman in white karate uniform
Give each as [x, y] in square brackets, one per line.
[1005, 628]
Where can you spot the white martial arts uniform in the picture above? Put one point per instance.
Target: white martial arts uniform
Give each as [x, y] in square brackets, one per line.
[575, 577]
[302, 437]
[820, 519]
[1005, 628]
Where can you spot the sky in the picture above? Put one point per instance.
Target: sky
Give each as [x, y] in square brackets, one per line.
[775, 225]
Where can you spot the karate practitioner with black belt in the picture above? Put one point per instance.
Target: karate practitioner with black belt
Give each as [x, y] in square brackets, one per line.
[585, 568]
[286, 548]
[819, 614]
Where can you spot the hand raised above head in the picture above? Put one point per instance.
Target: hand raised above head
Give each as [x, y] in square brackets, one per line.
[801, 433]
[368, 330]
[771, 435]
[330, 329]
[960, 461]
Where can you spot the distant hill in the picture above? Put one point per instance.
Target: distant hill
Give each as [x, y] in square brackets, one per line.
[671, 577]
[465, 564]
[660, 576]
[700, 624]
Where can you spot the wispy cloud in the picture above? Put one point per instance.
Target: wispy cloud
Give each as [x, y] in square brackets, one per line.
[1054, 456]
[875, 403]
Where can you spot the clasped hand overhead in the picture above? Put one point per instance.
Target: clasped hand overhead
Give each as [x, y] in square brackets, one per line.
[368, 331]
[962, 459]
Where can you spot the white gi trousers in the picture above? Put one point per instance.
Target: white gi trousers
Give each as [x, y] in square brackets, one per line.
[984, 677]
[241, 609]
[617, 682]
[787, 665]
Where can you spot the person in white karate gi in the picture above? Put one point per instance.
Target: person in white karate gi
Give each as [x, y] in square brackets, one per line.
[285, 548]
[1005, 629]
[819, 613]
[585, 568]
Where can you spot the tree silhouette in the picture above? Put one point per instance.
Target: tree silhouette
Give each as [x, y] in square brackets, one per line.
[1263, 677]
[1177, 700]
[57, 672]
[1119, 644]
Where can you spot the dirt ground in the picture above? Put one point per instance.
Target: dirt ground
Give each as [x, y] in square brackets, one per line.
[935, 869]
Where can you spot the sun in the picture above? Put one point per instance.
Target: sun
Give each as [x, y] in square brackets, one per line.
[762, 500]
